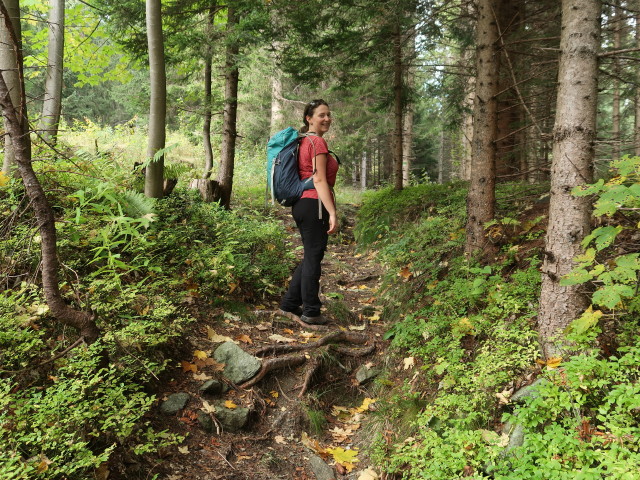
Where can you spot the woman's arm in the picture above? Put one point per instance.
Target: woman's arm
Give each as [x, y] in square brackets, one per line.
[324, 190]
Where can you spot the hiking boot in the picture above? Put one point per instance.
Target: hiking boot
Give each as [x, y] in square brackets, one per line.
[317, 320]
[297, 312]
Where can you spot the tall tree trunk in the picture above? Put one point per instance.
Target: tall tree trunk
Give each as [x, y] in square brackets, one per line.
[636, 133]
[574, 133]
[363, 171]
[52, 103]
[11, 68]
[481, 197]
[154, 178]
[229, 134]
[398, 105]
[277, 116]
[615, 110]
[14, 115]
[208, 70]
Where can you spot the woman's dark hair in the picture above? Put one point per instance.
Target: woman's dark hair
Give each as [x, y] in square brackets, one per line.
[308, 112]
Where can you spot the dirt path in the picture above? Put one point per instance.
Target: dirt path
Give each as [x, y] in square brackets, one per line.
[304, 414]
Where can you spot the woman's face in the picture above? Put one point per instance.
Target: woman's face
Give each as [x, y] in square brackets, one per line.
[320, 121]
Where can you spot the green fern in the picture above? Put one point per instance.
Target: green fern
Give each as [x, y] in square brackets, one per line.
[135, 204]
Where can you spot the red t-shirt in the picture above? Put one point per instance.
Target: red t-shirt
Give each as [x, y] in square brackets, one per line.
[309, 147]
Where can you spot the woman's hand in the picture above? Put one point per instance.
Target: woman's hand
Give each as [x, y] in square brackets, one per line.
[333, 223]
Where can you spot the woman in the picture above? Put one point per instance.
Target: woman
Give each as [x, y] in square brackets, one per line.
[314, 213]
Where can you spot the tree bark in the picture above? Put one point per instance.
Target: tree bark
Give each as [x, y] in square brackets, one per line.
[277, 116]
[481, 197]
[52, 103]
[636, 133]
[363, 171]
[83, 321]
[154, 178]
[11, 68]
[615, 109]
[574, 133]
[398, 106]
[229, 135]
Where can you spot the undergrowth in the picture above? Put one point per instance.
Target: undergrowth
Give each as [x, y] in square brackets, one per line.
[147, 269]
[466, 334]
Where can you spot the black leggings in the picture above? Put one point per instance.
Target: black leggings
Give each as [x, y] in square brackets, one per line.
[305, 283]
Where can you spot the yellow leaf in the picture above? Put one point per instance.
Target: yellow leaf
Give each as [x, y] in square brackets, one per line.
[4, 179]
[274, 394]
[346, 458]
[232, 287]
[207, 407]
[365, 404]
[554, 362]
[199, 354]
[230, 404]
[288, 331]
[183, 450]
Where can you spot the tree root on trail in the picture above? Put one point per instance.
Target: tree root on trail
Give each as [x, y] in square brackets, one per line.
[326, 344]
[349, 337]
[274, 364]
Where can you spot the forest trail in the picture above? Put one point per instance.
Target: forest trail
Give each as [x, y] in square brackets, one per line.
[307, 418]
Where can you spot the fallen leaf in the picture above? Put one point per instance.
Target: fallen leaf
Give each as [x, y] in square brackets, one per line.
[503, 397]
[280, 439]
[346, 458]
[230, 404]
[554, 362]
[245, 339]
[288, 331]
[183, 450]
[200, 354]
[262, 327]
[312, 444]
[188, 367]
[207, 407]
[4, 179]
[405, 273]
[409, 362]
[368, 474]
[281, 339]
[215, 338]
[366, 403]
[356, 327]
[202, 377]
[274, 394]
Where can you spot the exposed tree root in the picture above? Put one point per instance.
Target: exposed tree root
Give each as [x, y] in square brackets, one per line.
[334, 337]
[310, 372]
[353, 352]
[274, 364]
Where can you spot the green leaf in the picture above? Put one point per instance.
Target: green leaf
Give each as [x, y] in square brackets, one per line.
[583, 323]
[611, 295]
[604, 236]
[576, 277]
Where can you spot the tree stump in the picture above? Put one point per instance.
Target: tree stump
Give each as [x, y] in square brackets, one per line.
[208, 188]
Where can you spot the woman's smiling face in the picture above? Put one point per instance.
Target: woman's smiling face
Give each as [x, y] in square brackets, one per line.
[320, 121]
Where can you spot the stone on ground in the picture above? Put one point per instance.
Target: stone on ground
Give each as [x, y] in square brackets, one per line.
[239, 365]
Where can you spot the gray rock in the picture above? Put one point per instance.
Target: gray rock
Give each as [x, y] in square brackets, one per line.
[528, 391]
[175, 403]
[365, 373]
[213, 387]
[516, 438]
[239, 365]
[320, 469]
[205, 421]
[232, 419]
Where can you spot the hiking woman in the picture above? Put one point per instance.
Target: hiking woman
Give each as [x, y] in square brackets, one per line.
[314, 213]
